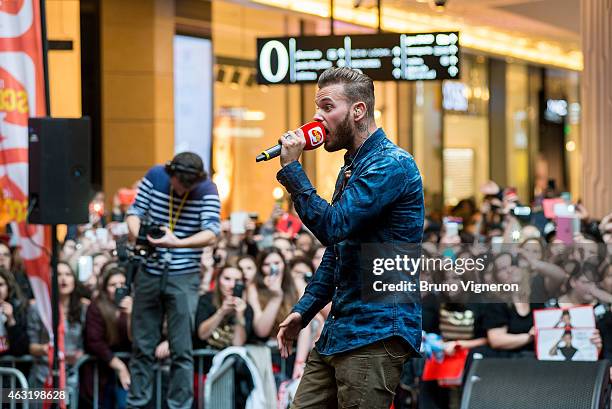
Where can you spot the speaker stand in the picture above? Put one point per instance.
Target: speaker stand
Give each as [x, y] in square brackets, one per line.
[55, 306]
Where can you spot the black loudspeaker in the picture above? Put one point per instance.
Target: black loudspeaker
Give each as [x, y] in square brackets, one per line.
[532, 384]
[59, 170]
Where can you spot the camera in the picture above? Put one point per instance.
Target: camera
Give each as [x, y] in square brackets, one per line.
[129, 259]
[148, 228]
[132, 259]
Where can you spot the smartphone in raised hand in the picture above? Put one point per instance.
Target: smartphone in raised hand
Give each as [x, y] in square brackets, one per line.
[238, 289]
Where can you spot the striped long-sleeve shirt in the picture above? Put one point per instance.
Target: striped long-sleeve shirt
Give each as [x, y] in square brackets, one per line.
[200, 212]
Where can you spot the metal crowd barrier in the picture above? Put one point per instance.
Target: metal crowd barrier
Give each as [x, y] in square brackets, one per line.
[17, 374]
[217, 392]
[14, 375]
[220, 387]
[199, 355]
[158, 370]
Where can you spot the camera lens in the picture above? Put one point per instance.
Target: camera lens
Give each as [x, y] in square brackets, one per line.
[156, 232]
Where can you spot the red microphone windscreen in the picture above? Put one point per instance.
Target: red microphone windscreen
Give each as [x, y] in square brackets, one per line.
[314, 134]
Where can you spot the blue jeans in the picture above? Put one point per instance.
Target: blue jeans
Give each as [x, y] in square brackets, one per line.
[115, 397]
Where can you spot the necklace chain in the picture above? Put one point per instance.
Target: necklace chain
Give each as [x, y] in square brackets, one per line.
[347, 168]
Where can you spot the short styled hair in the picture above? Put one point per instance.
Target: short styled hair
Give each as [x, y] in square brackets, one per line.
[188, 168]
[358, 87]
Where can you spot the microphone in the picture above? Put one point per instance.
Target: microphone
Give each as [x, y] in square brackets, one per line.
[315, 137]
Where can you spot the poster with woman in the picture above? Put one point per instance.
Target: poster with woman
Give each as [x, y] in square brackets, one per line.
[564, 334]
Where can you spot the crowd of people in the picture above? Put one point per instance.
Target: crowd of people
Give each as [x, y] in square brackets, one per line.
[250, 281]
[522, 248]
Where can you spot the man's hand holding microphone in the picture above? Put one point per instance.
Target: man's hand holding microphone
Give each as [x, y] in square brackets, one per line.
[291, 144]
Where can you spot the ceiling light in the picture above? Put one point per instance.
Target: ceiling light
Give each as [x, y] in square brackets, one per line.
[439, 5]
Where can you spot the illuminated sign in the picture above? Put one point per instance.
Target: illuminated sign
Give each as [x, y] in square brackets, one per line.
[383, 57]
[454, 96]
[193, 101]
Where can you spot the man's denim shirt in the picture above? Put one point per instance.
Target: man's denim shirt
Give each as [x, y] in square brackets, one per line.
[382, 202]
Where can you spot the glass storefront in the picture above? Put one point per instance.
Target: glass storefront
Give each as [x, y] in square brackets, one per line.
[451, 134]
[559, 142]
[446, 125]
[517, 129]
[466, 131]
[427, 140]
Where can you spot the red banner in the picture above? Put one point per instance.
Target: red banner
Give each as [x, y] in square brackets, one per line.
[22, 95]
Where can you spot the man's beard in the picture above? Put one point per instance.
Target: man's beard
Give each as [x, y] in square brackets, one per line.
[343, 136]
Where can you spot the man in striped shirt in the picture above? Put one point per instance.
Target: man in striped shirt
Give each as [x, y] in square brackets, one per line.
[180, 198]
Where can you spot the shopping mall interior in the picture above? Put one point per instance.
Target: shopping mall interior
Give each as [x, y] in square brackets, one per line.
[515, 115]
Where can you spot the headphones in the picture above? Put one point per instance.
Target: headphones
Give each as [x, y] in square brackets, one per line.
[172, 168]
